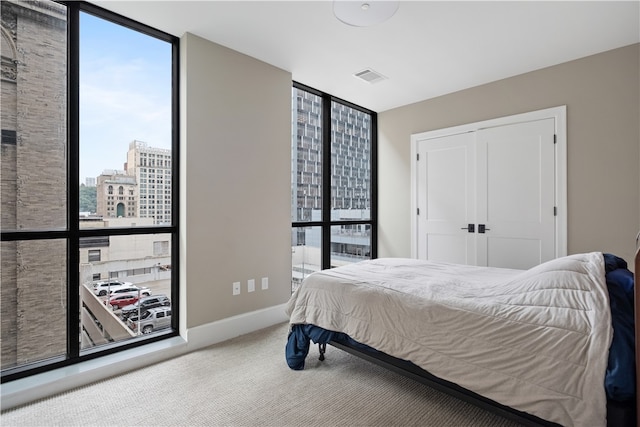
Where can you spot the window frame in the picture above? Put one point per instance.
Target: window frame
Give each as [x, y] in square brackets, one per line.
[326, 223]
[73, 234]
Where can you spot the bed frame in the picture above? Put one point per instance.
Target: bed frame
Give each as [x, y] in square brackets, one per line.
[416, 373]
[617, 415]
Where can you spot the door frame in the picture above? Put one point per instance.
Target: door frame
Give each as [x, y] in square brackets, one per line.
[559, 114]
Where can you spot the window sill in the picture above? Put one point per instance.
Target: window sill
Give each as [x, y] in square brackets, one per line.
[25, 390]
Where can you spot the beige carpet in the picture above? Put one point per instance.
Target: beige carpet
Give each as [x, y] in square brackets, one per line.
[246, 382]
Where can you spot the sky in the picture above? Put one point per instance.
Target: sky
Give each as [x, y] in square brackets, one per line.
[125, 94]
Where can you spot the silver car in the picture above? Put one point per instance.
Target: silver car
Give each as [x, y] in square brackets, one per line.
[144, 304]
[152, 320]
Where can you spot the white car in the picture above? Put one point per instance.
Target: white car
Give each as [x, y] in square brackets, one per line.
[143, 291]
[102, 287]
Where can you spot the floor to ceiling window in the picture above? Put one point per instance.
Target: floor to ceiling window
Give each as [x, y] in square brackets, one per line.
[88, 185]
[333, 182]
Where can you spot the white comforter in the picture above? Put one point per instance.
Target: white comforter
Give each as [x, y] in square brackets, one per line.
[534, 340]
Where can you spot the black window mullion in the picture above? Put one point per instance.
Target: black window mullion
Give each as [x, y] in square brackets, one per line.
[175, 186]
[374, 186]
[73, 177]
[326, 181]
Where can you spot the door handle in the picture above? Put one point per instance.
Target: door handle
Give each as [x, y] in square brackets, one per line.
[482, 228]
[471, 228]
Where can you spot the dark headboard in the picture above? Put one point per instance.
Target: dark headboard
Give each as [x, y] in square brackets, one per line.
[637, 326]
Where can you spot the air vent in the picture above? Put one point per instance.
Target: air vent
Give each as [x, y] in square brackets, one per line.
[370, 76]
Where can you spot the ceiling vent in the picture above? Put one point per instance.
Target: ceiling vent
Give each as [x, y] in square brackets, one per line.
[370, 76]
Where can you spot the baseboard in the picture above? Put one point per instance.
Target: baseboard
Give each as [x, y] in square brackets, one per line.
[32, 388]
[231, 327]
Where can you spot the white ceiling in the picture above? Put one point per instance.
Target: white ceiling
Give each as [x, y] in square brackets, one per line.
[427, 49]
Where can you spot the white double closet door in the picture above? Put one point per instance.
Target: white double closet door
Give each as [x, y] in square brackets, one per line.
[488, 197]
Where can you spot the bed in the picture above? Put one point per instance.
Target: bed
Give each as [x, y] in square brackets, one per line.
[552, 345]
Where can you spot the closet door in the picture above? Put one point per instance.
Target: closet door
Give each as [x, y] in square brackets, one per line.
[516, 194]
[446, 199]
[487, 197]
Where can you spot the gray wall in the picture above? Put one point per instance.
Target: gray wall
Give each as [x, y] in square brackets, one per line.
[602, 95]
[235, 182]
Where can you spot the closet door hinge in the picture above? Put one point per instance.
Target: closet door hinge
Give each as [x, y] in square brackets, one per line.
[555, 138]
[418, 157]
[418, 211]
[555, 211]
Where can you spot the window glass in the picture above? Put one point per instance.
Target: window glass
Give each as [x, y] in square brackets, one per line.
[34, 133]
[125, 108]
[350, 163]
[34, 301]
[129, 266]
[94, 255]
[306, 253]
[343, 210]
[350, 243]
[306, 157]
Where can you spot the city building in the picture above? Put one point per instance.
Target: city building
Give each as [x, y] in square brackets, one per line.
[142, 190]
[151, 168]
[34, 137]
[116, 195]
[134, 258]
[350, 183]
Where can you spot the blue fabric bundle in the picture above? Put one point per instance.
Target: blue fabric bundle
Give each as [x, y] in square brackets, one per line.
[299, 338]
[620, 379]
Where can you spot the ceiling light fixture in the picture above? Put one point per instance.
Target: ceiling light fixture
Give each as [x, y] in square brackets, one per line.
[364, 14]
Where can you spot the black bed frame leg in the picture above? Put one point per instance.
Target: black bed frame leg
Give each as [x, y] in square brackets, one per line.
[322, 348]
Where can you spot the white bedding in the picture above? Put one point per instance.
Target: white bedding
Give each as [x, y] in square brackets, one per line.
[534, 340]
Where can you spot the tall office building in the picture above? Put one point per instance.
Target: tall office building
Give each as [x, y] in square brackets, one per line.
[350, 177]
[151, 168]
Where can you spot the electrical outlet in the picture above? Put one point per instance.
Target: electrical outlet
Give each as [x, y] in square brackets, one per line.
[236, 288]
[265, 283]
[251, 285]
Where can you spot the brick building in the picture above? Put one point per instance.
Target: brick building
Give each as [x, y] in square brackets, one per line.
[33, 183]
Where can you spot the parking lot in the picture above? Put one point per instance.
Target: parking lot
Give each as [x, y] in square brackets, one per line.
[157, 287]
[101, 324]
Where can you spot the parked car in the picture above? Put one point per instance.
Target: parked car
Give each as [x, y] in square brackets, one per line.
[101, 288]
[131, 289]
[144, 304]
[118, 301]
[152, 320]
